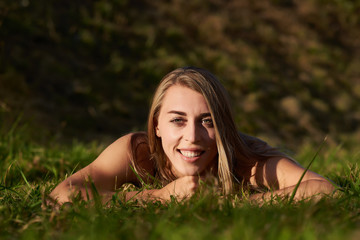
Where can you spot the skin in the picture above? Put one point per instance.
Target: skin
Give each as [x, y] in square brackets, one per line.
[188, 139]
[186, 131]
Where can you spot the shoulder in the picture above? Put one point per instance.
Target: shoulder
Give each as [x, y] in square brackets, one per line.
[138, 143]
[137, 138]
[129, 145]
[139, 151]
[130, 140]
[280, 172]
[118, 159]
[267, 173]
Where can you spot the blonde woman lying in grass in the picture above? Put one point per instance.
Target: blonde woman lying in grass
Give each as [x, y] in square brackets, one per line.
[191, 133]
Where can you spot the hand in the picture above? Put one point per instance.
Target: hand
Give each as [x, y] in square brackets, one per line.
[181, 188]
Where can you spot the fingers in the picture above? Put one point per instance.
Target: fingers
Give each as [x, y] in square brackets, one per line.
[181, 188]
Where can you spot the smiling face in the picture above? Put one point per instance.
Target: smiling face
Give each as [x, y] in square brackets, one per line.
[186, 131]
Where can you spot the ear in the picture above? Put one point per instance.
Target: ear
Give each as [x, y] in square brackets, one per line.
[157, 131]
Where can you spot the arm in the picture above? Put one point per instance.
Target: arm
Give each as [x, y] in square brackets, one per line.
[108, 172]
[281, 175]
[180, 188]
[112, 169]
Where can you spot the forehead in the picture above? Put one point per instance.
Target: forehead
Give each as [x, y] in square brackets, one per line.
[182, 98]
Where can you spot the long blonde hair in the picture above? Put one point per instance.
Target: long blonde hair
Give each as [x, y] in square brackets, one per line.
[235, 150]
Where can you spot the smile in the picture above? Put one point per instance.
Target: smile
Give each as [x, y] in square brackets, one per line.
[191, 154]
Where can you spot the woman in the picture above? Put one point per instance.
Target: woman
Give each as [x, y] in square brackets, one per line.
[191, 133]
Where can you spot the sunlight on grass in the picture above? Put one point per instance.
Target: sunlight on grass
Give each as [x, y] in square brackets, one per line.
[29, 172]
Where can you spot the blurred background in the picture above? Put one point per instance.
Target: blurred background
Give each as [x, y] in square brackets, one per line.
[87, 70]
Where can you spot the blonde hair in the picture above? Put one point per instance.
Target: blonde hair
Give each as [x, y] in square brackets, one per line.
[235, 150]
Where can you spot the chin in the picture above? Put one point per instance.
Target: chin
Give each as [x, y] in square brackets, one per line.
[190, 173]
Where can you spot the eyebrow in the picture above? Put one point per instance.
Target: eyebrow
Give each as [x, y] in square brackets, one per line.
[207, 114]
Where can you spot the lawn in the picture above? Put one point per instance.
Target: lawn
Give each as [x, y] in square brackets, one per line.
[29, 171]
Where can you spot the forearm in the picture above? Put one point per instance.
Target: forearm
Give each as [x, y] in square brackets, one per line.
[311, 189]
[65, 192]
[181, 188]
[68, 191]
[144, 195]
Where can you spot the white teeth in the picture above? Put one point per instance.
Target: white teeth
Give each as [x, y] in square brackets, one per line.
[190, 154]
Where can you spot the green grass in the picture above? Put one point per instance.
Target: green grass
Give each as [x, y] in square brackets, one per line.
[28, 172]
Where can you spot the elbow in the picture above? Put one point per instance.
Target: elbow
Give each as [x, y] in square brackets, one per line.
[321, 186]
[60, 194]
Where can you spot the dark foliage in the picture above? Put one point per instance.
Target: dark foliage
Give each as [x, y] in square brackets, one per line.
[87, 69]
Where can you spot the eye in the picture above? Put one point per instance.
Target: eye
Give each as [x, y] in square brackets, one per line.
[208, 122]
[177, 121]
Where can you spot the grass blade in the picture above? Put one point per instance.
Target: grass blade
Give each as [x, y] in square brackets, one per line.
[138, 176]
[23, 176]
[306, 169]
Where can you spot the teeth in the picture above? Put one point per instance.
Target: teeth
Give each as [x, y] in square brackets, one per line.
[190, 154]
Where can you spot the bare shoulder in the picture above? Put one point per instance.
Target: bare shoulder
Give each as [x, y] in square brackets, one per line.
[121, 148]
[280, 172]
[117, 159]
[111, 169]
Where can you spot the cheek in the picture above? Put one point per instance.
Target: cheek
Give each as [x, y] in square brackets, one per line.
[212, 137]
[214, 145]
[168, 139]
[168, 132]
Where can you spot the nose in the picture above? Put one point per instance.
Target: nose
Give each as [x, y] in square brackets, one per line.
[192, 132]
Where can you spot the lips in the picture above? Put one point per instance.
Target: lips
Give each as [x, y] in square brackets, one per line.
[190, 153]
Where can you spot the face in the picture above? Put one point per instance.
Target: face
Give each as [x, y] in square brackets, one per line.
[186, 130]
